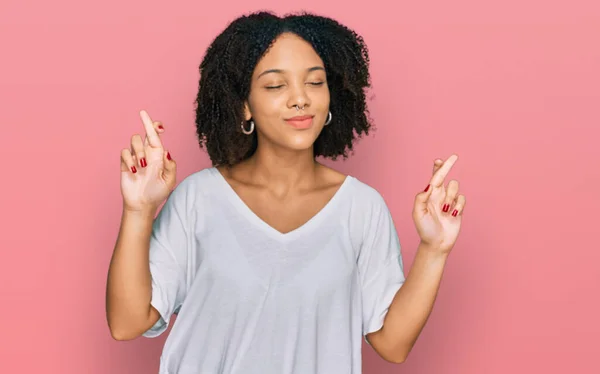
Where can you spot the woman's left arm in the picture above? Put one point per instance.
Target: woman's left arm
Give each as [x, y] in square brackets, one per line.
[411, 307]
[437, 215]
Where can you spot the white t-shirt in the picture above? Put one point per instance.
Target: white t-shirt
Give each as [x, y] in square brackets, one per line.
[252, 300]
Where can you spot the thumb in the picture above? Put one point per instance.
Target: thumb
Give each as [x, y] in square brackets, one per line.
[170, 167]
[421, 199]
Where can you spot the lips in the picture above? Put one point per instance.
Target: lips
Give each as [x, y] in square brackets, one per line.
[300, 122]
[299, 118]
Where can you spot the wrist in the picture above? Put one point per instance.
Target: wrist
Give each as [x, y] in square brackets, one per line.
[432, 251]
[140, 212]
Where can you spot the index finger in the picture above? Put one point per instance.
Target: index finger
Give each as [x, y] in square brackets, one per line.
[438, 178]
[151, 134]
[436, 165]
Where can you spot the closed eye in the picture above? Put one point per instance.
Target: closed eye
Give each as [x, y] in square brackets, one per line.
[281, 85]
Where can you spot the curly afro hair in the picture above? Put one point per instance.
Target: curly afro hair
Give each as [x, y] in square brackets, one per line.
[228, 65]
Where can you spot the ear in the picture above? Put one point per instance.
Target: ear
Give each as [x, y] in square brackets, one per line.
[247, 111]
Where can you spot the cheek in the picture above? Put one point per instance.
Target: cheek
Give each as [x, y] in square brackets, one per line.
[266, 106]
[321, 99]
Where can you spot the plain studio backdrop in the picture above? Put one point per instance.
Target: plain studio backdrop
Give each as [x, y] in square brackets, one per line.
[511, 86]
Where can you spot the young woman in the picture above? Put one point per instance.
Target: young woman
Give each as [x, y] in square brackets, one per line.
[273, 262]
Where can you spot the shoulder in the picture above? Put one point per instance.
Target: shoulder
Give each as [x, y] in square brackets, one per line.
[194, 187]
[201, 180]
[369, 215]
[370, 209]
[366, 196]
[188, 200]
[368, 205]
[361, 194]
[361, 197]
[197, 178]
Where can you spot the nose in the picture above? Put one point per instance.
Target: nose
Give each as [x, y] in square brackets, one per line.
[299, 97]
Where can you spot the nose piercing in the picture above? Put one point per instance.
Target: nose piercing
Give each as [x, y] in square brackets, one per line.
[298, 108]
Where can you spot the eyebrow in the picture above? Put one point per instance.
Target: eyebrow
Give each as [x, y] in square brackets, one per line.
[280, 71]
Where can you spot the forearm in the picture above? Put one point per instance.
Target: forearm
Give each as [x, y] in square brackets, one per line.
[129, 287]
[413, 303]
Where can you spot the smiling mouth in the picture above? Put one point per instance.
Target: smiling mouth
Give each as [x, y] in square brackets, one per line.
[300, 122]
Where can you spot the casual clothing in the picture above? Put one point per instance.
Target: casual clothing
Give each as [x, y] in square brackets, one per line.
[252, 300]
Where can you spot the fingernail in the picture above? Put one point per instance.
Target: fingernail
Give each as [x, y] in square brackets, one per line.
[446, 208]
[133, 169]
[454, 213]
[160, 127]
[168, 156]
[427, 188]
[143, 162]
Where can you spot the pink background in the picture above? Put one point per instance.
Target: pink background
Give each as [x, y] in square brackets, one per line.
[511, 86]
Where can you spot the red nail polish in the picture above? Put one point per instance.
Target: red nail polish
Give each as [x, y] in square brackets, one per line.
[427, 188]
[133, 169]
[446, 208]
[143, 162]
[160, 127]
[454, 213]
[168, 156]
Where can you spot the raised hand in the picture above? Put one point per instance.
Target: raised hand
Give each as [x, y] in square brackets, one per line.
[148, 173]
[437, 212]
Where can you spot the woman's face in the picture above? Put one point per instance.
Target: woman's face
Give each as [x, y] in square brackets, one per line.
[290, 74]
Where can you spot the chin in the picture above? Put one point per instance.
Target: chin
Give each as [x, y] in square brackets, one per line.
[301, 141]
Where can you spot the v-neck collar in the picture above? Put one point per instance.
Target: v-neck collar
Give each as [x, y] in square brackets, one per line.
[244, 209]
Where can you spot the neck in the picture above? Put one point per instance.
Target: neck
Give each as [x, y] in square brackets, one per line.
[283, 167]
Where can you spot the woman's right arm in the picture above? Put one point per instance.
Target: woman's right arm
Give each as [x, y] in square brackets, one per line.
[129, 286]
[148, 176]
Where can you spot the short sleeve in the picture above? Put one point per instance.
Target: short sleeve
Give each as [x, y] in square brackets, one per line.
[168, 259]
[380, 265]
